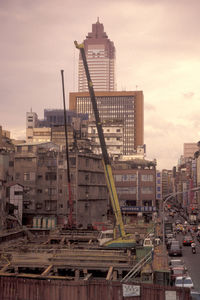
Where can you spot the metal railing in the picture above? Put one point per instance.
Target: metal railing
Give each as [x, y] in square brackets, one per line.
[133, 272]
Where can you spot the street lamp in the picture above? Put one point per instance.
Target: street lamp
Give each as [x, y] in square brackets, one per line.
[169, 196]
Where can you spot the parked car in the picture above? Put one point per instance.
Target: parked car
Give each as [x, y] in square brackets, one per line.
[176, 263]
[183, 281]
[195, 295]
[175, 250]
[177, 272]
[187, 240]
[169, 242]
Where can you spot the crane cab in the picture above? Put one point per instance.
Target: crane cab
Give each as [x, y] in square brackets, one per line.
[105, 236]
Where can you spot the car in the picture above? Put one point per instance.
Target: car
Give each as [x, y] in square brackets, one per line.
[177, 272]
[172, 241]
[195, 295]
[178, 222]
[169, 235]
[184, 281]
[187, 240]
[169, 242]
[177, 263]
[175, 250]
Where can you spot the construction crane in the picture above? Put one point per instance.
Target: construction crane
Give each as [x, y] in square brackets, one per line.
[70, 222]
[124, 240]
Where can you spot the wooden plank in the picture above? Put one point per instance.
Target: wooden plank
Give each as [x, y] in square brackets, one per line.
[109, 275]
[47, 270]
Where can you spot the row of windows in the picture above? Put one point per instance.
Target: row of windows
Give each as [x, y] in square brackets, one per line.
[133, 190]
[133, 177]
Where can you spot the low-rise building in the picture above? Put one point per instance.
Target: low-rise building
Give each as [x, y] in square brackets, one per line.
[136, 187]
[41, 168]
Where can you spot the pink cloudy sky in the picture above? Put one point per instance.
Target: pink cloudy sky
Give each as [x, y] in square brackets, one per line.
[157, 49]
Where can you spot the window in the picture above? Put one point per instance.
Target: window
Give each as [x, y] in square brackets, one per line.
[147, 203]
[30, 148]
[87, 162]
[50, 176]
[29, 176]
[50, 205]
[118, 130]
[125, 177]
[126, 190]
[17, 176]
[11, 163]
[51, 191]
[147, 177]
[19, 149]
[147, 190]
[72, 161]
[39, 191]
[131, 202]
[26, 176]
[17, 193]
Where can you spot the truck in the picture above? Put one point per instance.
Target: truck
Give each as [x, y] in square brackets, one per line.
[122, 240]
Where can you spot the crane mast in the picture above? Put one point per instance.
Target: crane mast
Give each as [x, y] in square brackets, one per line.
[70, 222]
[106, 160]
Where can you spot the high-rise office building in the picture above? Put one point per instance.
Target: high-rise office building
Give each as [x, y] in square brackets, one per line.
[124, 106]
[100, 53]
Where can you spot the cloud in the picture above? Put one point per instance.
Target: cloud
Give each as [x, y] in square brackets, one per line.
[189, 95]
[149, 107]
[157, 44]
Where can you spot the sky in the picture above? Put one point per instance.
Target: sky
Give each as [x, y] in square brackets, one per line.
[157, 51]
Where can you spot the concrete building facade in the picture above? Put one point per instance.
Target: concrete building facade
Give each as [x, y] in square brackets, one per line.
[136, 186]
[124, 106]
[113, 133]
[41, 169]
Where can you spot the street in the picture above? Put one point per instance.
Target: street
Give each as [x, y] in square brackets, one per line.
[192, 262]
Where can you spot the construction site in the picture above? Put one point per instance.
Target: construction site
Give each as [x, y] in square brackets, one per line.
[72, 262]
[71, 265]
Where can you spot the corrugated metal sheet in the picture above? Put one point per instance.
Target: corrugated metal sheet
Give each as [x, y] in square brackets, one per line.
[15, 288]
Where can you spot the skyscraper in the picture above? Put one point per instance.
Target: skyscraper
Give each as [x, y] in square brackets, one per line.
[100, 53]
